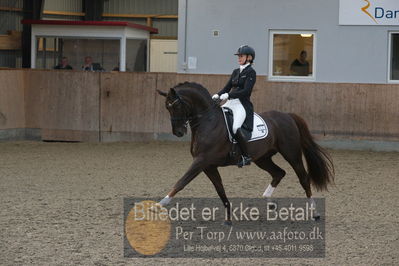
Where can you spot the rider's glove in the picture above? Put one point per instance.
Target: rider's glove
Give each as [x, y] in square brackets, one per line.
[215, 97]
[224, 96]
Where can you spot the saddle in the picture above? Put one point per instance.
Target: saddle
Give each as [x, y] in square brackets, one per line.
[260, 130]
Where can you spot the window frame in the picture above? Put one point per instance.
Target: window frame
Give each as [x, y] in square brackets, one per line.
[271, 56]
[389, 72]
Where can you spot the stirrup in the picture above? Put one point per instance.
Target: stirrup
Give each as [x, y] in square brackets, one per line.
[244, 161]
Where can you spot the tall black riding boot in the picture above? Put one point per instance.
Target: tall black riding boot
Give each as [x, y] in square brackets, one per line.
[240, 138]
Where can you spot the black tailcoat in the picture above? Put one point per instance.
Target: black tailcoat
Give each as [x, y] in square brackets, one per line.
[240, 86]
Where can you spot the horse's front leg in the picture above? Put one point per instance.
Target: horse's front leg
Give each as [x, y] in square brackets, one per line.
[213, 174]
[194, 170]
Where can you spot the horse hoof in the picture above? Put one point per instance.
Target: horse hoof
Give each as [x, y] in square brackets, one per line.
[228, 223]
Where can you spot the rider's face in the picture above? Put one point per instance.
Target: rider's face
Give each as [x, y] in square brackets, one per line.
[242, 59]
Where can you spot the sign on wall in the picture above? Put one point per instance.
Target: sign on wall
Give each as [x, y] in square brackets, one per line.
[369, 12]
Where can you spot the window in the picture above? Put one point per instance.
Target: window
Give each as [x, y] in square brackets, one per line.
[94, 54]
[394, 57]
[292, 55]
[77, 53]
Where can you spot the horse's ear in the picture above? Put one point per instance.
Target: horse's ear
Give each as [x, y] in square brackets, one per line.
[172, 92]
[162, 93]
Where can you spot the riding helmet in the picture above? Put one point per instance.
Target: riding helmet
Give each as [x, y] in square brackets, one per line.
[247, 50]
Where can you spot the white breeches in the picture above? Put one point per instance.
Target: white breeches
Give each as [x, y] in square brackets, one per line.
[239, 113]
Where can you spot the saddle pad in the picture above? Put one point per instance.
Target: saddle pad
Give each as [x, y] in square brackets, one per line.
[260, 130]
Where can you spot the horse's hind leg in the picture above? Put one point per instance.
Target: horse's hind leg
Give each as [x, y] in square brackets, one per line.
[305, 183]
[300, 171]
[274, 170]
[297, 164]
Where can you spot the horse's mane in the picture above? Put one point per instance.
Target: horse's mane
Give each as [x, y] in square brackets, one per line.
[192, 85]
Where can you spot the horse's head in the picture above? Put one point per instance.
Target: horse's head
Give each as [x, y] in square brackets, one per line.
[186, 103]
[179, 111]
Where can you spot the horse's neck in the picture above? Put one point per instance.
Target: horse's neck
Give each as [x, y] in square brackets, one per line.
[206, 113]
[210, 118]
[209, 132]
[202, 108]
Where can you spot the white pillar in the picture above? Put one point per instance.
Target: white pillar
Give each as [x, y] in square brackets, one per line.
[148, 53]
[33, 49]
[122, 54]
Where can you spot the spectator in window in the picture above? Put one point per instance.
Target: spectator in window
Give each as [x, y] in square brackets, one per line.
[90, 66]
[63, 64]
[300, 67]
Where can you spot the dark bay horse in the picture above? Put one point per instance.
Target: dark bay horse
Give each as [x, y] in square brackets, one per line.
[191, 104]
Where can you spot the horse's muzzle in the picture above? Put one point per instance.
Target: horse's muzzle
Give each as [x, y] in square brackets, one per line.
[180, 132]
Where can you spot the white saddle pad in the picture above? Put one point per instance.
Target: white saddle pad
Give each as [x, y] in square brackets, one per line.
[260, 130]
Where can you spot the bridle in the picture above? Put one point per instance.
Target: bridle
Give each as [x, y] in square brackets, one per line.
[188, 118]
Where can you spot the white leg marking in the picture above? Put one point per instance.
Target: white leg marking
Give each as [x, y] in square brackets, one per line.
[312, 203]
[165, 201]
[268, 192]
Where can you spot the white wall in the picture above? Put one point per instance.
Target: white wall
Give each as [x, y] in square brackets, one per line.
[356, 54]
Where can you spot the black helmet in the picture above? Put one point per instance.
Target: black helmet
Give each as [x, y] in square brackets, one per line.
[247, 50]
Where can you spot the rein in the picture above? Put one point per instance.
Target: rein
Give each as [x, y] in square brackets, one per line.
[190, 118]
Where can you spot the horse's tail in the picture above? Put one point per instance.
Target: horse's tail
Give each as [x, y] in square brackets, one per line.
[320, 165]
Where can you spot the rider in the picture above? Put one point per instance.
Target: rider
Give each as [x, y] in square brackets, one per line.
[237, 92]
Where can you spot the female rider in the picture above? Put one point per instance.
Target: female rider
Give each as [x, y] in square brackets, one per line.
[237, 92]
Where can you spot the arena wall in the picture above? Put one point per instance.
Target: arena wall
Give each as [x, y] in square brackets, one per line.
[64, 105]
[12, 111]
[114, 106]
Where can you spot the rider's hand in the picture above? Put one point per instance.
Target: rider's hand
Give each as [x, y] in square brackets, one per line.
[215, 97]
[224, 96]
